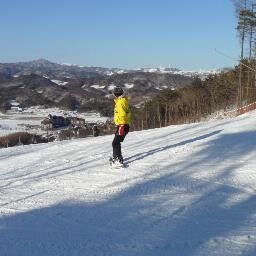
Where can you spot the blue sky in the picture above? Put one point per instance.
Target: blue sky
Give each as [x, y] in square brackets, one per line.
[120, 33]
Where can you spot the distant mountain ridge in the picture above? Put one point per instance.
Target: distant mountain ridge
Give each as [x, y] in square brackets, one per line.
[51, 69]
[47, 68]
[42, 82]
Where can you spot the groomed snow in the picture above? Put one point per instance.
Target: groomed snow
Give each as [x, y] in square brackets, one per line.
[187, 190]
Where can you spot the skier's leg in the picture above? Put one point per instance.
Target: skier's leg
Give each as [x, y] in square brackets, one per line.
[116, 144]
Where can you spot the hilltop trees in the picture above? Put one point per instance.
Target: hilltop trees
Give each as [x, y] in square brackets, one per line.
[246, 24]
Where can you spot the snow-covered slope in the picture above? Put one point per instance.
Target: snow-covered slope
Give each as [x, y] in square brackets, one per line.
[187, 190]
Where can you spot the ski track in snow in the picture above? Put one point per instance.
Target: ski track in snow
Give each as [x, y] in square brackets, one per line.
[186, 190]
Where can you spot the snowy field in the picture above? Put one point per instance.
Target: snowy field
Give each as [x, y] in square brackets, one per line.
[186, 190]
[30, 119]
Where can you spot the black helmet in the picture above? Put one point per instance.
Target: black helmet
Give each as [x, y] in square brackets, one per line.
[118, 91]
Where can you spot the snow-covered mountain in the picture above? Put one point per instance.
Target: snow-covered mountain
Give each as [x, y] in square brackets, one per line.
[51, 84]
[202, 73]
[47, 68]
[189, 73]
[186, 190]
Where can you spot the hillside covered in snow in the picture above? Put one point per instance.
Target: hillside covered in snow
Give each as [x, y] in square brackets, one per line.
[186, 190]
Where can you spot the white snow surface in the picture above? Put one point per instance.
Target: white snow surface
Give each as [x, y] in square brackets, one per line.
[129, 85]
[58, 82]
[111, 87]
[186, 190]
[97, 86]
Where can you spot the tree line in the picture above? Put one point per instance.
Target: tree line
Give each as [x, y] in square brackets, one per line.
[192, 102]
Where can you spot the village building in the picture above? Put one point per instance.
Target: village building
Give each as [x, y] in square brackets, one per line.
[76, 121]
[46, 124]
[13, 106]
[61, 122]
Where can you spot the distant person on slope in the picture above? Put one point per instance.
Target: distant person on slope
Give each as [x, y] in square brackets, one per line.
[122, 119]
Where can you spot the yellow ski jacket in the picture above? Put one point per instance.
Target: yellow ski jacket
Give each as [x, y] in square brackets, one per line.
[122, 113]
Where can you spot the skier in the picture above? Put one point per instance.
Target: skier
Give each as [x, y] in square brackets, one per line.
[122, 119]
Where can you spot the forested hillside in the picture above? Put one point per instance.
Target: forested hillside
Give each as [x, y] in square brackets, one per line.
[197, 100]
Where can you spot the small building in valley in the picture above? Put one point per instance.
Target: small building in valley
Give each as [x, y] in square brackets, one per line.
[53, 122]
[76, 121]
[46, 124]
[13, 106]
